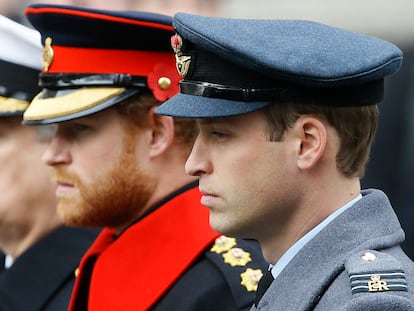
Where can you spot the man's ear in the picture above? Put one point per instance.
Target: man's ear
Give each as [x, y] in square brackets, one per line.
[313, 139]
[162, 133]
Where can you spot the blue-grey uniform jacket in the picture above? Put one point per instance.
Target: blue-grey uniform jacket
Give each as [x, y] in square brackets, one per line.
[42, 278]
[355, 263]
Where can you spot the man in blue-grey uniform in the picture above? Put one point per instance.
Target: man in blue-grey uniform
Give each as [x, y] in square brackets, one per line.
[287, 114]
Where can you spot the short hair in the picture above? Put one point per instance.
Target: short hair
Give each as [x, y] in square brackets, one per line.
[356, 128]
[135, 110]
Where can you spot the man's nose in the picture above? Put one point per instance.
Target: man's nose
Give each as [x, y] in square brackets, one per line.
[198, 162]
[57, 152]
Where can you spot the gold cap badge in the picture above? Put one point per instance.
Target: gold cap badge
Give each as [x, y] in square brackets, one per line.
[48, 54]
[182, 62]
[237, 257]
[223, 244]
[250, 279]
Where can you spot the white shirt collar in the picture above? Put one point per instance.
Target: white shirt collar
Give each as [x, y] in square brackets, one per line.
[8, 261]
[295, 248]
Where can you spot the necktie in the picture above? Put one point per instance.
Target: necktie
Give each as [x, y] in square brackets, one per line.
[263, 285]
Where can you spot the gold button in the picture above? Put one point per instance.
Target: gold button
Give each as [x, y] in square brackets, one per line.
[164, 83]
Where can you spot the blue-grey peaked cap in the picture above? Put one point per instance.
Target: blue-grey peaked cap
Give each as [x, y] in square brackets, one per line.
[241, 65]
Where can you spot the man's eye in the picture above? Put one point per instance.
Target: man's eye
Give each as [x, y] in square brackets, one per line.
[79, 127]
[218, 134]
[75, 130]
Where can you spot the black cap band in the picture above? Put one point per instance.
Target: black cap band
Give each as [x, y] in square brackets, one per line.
[18, 81]
[67, 81]
[364, 94]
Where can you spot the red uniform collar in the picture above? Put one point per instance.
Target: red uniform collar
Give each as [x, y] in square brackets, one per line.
[147, 258]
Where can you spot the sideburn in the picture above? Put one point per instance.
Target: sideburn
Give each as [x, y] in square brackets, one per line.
[122, 194]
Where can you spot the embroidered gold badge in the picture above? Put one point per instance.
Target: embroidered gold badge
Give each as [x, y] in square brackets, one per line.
[223, 244]
[237, 257]
[182, 62]
[377, 285]
[48, 54]
[250, 279]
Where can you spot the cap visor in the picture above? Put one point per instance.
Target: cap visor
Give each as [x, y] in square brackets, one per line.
[192, 106]
[12, 106]
[72, 103]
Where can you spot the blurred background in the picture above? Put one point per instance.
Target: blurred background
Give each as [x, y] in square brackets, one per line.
[391, 167]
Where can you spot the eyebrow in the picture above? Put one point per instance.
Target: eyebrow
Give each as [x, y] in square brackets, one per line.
[204, 121]
[208, 121]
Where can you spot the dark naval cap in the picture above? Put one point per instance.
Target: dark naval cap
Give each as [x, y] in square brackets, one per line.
[94, 59]
[235, 66]
[20, 64]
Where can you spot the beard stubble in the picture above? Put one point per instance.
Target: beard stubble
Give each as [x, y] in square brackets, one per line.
[113, 200]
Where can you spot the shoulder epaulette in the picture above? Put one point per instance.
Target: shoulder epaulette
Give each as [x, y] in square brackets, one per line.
[372, 272]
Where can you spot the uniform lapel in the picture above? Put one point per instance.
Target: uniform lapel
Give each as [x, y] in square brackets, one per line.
[369, 224]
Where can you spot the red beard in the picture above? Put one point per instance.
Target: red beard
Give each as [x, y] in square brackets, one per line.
[113, 200]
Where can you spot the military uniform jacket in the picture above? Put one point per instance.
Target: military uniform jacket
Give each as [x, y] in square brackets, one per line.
[170, 259]
[355, 263]
[42, 278]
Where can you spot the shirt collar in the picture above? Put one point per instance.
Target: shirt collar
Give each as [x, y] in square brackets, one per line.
[295, 248]
[8, 261]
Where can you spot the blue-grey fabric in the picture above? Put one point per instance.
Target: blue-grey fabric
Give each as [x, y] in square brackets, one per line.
[297, 50]
[302, 53]
[318, 277]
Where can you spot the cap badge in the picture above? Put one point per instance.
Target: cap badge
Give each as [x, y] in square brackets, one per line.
[182, 62]
[48, 54]
[223, 244]
[237, 257]
[250, 279]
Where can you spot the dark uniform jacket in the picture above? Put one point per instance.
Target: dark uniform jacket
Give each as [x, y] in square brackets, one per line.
[42, 278]
[355, 263]
[170, 259]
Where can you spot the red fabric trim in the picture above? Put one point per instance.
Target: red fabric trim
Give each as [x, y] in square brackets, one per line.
[86, 60]
[79, 295]
[96, 16]
[147, 259]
